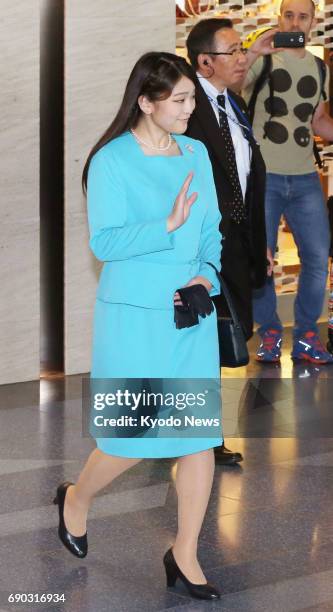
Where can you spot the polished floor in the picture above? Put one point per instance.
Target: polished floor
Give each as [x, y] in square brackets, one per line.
[267, 541]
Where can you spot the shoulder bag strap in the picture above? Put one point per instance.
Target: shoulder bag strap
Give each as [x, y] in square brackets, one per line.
[260, 82]
[225, 291]
[322, 93]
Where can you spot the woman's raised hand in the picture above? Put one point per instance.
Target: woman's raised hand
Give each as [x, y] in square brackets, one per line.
[182, 206]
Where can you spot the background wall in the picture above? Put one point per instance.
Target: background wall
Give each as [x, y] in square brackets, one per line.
[103, 39]
[19, 188]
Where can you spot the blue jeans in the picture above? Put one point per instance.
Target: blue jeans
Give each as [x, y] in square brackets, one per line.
[300, 199]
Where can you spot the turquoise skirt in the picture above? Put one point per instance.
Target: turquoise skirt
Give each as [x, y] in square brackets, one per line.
[135, 342]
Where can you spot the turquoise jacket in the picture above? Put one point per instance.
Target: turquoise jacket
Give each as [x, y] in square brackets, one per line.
[130, 196]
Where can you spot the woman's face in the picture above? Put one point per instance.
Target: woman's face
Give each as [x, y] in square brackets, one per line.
[172, 114]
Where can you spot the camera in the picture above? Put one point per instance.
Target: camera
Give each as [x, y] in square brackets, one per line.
[289, 39]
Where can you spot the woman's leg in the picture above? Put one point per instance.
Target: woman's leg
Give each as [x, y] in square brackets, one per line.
[193, 483]
[97, 473]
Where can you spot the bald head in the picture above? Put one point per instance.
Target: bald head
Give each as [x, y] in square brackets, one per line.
[308, 5]
[297, 16]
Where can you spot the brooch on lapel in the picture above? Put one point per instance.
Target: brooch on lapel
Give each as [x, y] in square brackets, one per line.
[189, 148]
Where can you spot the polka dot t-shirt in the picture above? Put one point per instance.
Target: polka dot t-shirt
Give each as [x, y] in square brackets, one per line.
[287, 147]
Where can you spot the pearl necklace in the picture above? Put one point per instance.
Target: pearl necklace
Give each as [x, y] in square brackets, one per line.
[150, 146]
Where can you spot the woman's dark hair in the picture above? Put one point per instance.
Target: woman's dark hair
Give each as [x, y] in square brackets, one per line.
[154, 75]
[202, 37]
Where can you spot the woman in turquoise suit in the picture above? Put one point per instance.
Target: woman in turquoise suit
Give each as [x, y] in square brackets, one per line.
[154, 237]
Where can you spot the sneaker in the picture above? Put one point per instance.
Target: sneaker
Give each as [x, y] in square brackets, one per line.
[270, 347]
[309, 348]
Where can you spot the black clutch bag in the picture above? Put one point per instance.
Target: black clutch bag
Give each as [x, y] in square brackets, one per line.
[232, 344]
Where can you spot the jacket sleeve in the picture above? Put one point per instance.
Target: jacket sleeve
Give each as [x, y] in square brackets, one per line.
[210, 239]
[111, 236]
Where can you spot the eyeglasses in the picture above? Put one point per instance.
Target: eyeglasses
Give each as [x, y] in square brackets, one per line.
[241, 50]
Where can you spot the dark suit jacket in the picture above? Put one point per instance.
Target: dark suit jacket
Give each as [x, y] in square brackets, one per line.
[203, 126]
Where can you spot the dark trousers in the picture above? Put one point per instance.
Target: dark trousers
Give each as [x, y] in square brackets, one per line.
[237, 274]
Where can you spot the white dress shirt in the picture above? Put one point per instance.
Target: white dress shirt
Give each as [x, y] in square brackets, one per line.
[241, 144]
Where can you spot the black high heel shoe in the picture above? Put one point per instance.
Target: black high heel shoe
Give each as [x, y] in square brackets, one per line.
[199, 591]
[77, 545]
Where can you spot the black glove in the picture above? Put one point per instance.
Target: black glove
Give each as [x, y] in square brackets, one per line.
[184, 317]
[197, 298]
[196, 301]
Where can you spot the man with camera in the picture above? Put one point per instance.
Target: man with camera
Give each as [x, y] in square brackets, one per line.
[288, 105]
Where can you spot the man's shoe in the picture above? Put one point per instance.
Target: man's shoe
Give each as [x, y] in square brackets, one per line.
[269, 350]
[224, 456]
[309, 348]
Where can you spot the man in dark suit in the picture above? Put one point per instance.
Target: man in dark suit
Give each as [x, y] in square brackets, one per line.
[220, 121]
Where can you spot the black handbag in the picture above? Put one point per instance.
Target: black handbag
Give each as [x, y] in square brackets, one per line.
[232, 344]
